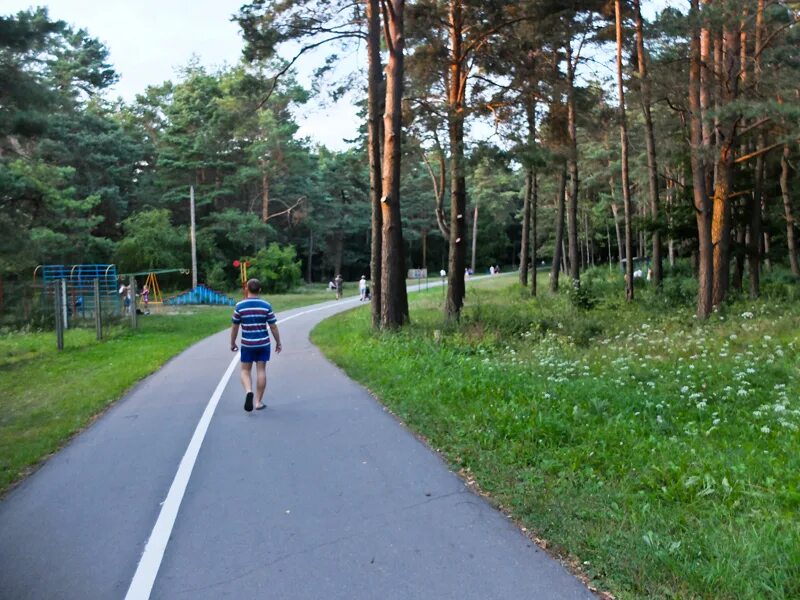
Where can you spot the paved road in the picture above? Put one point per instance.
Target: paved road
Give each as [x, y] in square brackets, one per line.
[321, 496]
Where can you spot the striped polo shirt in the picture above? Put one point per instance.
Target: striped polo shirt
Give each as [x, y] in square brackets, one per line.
[253, 314]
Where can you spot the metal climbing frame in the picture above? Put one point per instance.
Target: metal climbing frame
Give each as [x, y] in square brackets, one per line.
[80, 286]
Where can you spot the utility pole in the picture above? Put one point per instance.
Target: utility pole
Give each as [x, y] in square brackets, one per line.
[474, 235]
[194, 239]
[98, 318]
[58, 288]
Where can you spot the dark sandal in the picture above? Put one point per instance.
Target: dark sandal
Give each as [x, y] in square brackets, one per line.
[248, 401]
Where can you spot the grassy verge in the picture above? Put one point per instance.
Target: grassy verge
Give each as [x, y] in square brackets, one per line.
[46, 396]
[659, 451]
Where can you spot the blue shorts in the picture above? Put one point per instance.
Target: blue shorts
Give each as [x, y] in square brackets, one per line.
[260, 354]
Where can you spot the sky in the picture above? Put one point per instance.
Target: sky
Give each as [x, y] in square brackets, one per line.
[149, 40]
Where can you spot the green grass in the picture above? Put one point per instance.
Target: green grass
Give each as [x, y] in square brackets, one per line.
[47, 396]
[659, 452]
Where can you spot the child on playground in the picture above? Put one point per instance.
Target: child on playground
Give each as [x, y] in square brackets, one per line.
[125, 294]
[146, 299]
[254, 314]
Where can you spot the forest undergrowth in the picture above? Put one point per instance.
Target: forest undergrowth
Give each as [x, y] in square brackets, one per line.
[657, 452]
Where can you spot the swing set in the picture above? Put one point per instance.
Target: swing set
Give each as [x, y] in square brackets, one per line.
[151, 282]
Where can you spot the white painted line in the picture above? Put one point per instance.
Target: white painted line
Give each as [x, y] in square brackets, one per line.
[145, 576]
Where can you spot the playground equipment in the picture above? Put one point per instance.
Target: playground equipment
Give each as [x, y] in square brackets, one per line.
[151, 282]
[201, 295]
[242, 264]
[78, 290]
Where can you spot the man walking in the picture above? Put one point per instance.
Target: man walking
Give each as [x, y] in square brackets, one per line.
[339, 283]
[254, 314]
[362, 288]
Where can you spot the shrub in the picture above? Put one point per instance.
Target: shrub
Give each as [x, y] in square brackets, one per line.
[584, 296]
[680, 290]
[217, 277]
[277, 267]
[780, 284]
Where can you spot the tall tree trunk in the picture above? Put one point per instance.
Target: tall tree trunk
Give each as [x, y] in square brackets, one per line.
[788, 212]
[534, 235]
[424, 235]
[558, 245]
[338, 251]
[309, 270]
[739, 254]
[652, 165]
[524, 250]
[458, 193]
[474, 237]
[264, 195]
[374, 89]
[701, 202]
[753, 241]
[623, 134]
[620, 245]
[572, 167]
[756, 199]
[394, 298]
[706, 96]
[439, 185]
[727, 132]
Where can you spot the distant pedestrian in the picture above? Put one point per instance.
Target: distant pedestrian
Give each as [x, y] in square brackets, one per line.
[362, 288]
[339, 283]
[254, 314]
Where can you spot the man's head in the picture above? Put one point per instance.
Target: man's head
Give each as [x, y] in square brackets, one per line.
[253, 286]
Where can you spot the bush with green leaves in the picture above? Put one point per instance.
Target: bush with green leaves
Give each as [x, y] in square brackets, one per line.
[583, 296]
[277, 267]
[152, 242]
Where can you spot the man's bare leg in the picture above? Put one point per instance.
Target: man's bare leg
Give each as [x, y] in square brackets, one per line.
[247, 383]
[261, 382]
[247, 380]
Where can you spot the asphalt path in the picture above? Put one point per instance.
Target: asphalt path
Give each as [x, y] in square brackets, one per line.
[176, 492]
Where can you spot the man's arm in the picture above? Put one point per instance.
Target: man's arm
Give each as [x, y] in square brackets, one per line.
[234, 335]
[273, 327]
